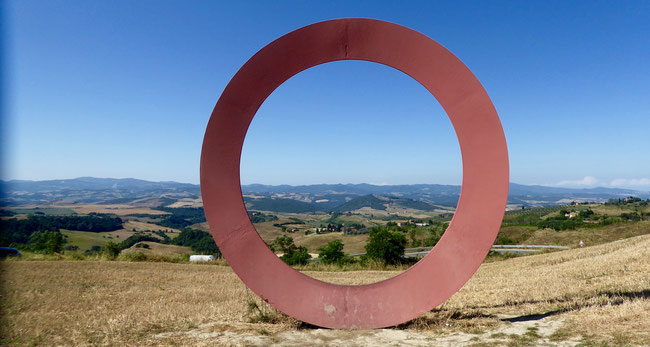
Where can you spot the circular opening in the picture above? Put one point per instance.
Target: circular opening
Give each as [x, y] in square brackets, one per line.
[344, 151]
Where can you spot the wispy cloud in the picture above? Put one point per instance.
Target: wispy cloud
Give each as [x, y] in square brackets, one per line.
[591, 181]
[587, 181]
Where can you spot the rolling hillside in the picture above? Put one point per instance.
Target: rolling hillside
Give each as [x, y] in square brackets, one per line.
[309, 198]
[382, 203]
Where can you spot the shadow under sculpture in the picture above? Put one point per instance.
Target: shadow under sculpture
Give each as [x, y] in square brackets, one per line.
[480, 208]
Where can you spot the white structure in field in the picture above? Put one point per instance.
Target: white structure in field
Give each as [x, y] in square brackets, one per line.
[198, 258]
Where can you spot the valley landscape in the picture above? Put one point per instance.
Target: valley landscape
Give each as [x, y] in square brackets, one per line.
[568, 297]
[315, 215]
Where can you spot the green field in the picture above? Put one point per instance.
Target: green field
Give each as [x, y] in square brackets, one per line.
[85, 240]
[48, 211]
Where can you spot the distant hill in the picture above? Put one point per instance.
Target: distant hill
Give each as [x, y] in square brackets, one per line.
[91, 183]
[280, 205]
[285, 198]
[360, 202]
[382, 203]
[529, 194]
[332, 196]
[92, 190]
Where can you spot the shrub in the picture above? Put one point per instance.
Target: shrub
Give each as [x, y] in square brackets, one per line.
[47, 242]
[586, 213]
[292, 255]
[261, 312]
[503, 239]
[134, 256]
[332, 252]
[299, 256]
[112, 249]
[283, 244]
[77, 256]
[386, 245]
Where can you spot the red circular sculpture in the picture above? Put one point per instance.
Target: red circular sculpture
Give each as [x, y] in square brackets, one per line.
[480, 208]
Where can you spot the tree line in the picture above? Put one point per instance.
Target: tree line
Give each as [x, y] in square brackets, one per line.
[383, 245]
[41, 233]
[180, 217]
[199, 241]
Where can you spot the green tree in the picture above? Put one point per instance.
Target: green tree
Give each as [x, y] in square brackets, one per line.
[586, 213]
[332, 252]
[293, 255]
[200, 241]
[46, 242]
[206, 245]
[386, 245]
[112, 249]
[283, 244]
[298, 256]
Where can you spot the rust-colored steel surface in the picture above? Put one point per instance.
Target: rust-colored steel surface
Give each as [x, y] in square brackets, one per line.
[463, 246]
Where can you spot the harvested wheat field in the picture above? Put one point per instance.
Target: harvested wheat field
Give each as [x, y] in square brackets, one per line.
[597, 295]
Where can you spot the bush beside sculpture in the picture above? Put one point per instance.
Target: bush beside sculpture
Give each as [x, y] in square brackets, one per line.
[385, 245]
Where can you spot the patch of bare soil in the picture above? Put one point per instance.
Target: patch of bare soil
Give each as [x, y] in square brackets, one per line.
[518, 332]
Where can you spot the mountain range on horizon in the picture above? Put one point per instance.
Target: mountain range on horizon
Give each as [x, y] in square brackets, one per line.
[316, 196]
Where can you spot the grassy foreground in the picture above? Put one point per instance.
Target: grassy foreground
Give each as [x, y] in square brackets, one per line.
[596, 295]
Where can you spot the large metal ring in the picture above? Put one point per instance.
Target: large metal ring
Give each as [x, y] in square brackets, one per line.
[473, 228]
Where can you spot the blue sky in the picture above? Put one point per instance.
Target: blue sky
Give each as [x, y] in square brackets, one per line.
[126, 88]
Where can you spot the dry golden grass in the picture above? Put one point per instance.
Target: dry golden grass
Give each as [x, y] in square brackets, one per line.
[267, 231]
[201, 226]
[187, 202]
[597, 294]
[366, 266]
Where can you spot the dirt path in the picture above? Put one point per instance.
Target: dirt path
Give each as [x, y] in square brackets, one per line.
[528, 332]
